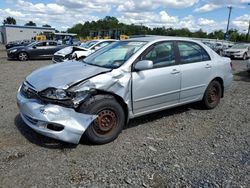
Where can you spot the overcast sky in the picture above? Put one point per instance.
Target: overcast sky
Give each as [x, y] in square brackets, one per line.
[208, 15]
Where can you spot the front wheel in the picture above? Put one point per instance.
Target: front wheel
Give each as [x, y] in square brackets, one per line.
[110, 118]
[212, 95]
[22, 56]
[244, 56]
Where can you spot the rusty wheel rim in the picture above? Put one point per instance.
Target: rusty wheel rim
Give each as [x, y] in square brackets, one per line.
[105, 123]
[213, 95]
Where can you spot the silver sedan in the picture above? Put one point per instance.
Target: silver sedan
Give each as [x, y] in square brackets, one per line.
[98, 95]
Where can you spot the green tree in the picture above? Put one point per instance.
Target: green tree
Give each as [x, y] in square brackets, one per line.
[46, 25]
[111, 24]
[200, 34]
[9, 20]
[30, 23]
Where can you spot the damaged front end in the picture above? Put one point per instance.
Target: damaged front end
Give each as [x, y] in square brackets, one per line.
[53, 112]
[51, 118]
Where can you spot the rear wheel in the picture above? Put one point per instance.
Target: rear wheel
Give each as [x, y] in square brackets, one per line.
[23, 56]
[110, 118]
[212, 95]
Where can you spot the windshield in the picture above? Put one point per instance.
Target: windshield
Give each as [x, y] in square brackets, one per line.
[88, 44]
[239, 46]
[114, 55]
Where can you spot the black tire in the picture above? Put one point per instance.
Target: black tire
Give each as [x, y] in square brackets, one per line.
[212, 95]
[244, 56]
[110, 121]
[23, 56]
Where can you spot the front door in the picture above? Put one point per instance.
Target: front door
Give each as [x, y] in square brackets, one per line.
[159, 87]
[38, 50]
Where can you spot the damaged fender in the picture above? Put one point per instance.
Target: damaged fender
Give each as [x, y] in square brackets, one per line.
[117, 81]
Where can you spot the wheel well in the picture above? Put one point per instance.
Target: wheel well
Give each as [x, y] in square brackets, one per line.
[221, 83]
[119, 100]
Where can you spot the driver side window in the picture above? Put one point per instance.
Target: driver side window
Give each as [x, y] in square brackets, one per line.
[162, 55]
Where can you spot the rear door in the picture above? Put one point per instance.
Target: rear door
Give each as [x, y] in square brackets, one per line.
[196, 70]
[159, 87]
[51, 48]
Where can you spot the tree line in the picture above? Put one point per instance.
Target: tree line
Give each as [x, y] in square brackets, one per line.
[12, 21]
[112, 24]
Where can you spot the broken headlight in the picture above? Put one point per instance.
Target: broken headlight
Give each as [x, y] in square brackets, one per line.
[53, 93]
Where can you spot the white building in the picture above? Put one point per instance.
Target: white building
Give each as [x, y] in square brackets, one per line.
[10, 33]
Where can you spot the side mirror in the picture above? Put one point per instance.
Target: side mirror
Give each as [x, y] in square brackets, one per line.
[144, 65]
[34, 47]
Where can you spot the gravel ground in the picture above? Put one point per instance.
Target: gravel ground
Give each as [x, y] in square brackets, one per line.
[181, 147]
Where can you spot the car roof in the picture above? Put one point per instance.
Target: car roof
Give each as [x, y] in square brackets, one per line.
[160, 38]
[46, 41]
[102, 40]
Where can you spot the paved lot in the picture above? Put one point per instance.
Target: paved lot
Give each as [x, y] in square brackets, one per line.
[185, 146]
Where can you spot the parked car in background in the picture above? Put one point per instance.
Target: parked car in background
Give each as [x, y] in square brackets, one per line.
[241, 51]
[35, 50]
[99, 94]
[76, 42]
[18, 43]
[218, 47]
[80, 52]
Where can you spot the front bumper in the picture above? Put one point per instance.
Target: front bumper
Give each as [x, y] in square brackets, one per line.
[234, 55]
[12, 55]
[39, 116]
[58, 59]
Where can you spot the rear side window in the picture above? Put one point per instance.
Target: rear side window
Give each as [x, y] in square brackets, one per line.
[41, 44]
[52, 44]
[191, 52]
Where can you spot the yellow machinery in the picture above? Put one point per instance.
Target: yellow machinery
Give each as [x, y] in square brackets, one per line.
[40, 37]
[124, 37]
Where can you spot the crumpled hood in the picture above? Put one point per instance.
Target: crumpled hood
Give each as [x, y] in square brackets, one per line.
[77, 48]
[65, 51]
[62, 75]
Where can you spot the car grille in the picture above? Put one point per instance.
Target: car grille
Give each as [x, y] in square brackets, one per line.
[58, 58]
[27, 92]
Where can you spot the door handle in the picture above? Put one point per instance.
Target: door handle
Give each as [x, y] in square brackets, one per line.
[175, 71]
[208, 66]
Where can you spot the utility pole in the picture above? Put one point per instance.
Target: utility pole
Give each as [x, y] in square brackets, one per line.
[248, 31]
[228, 21]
